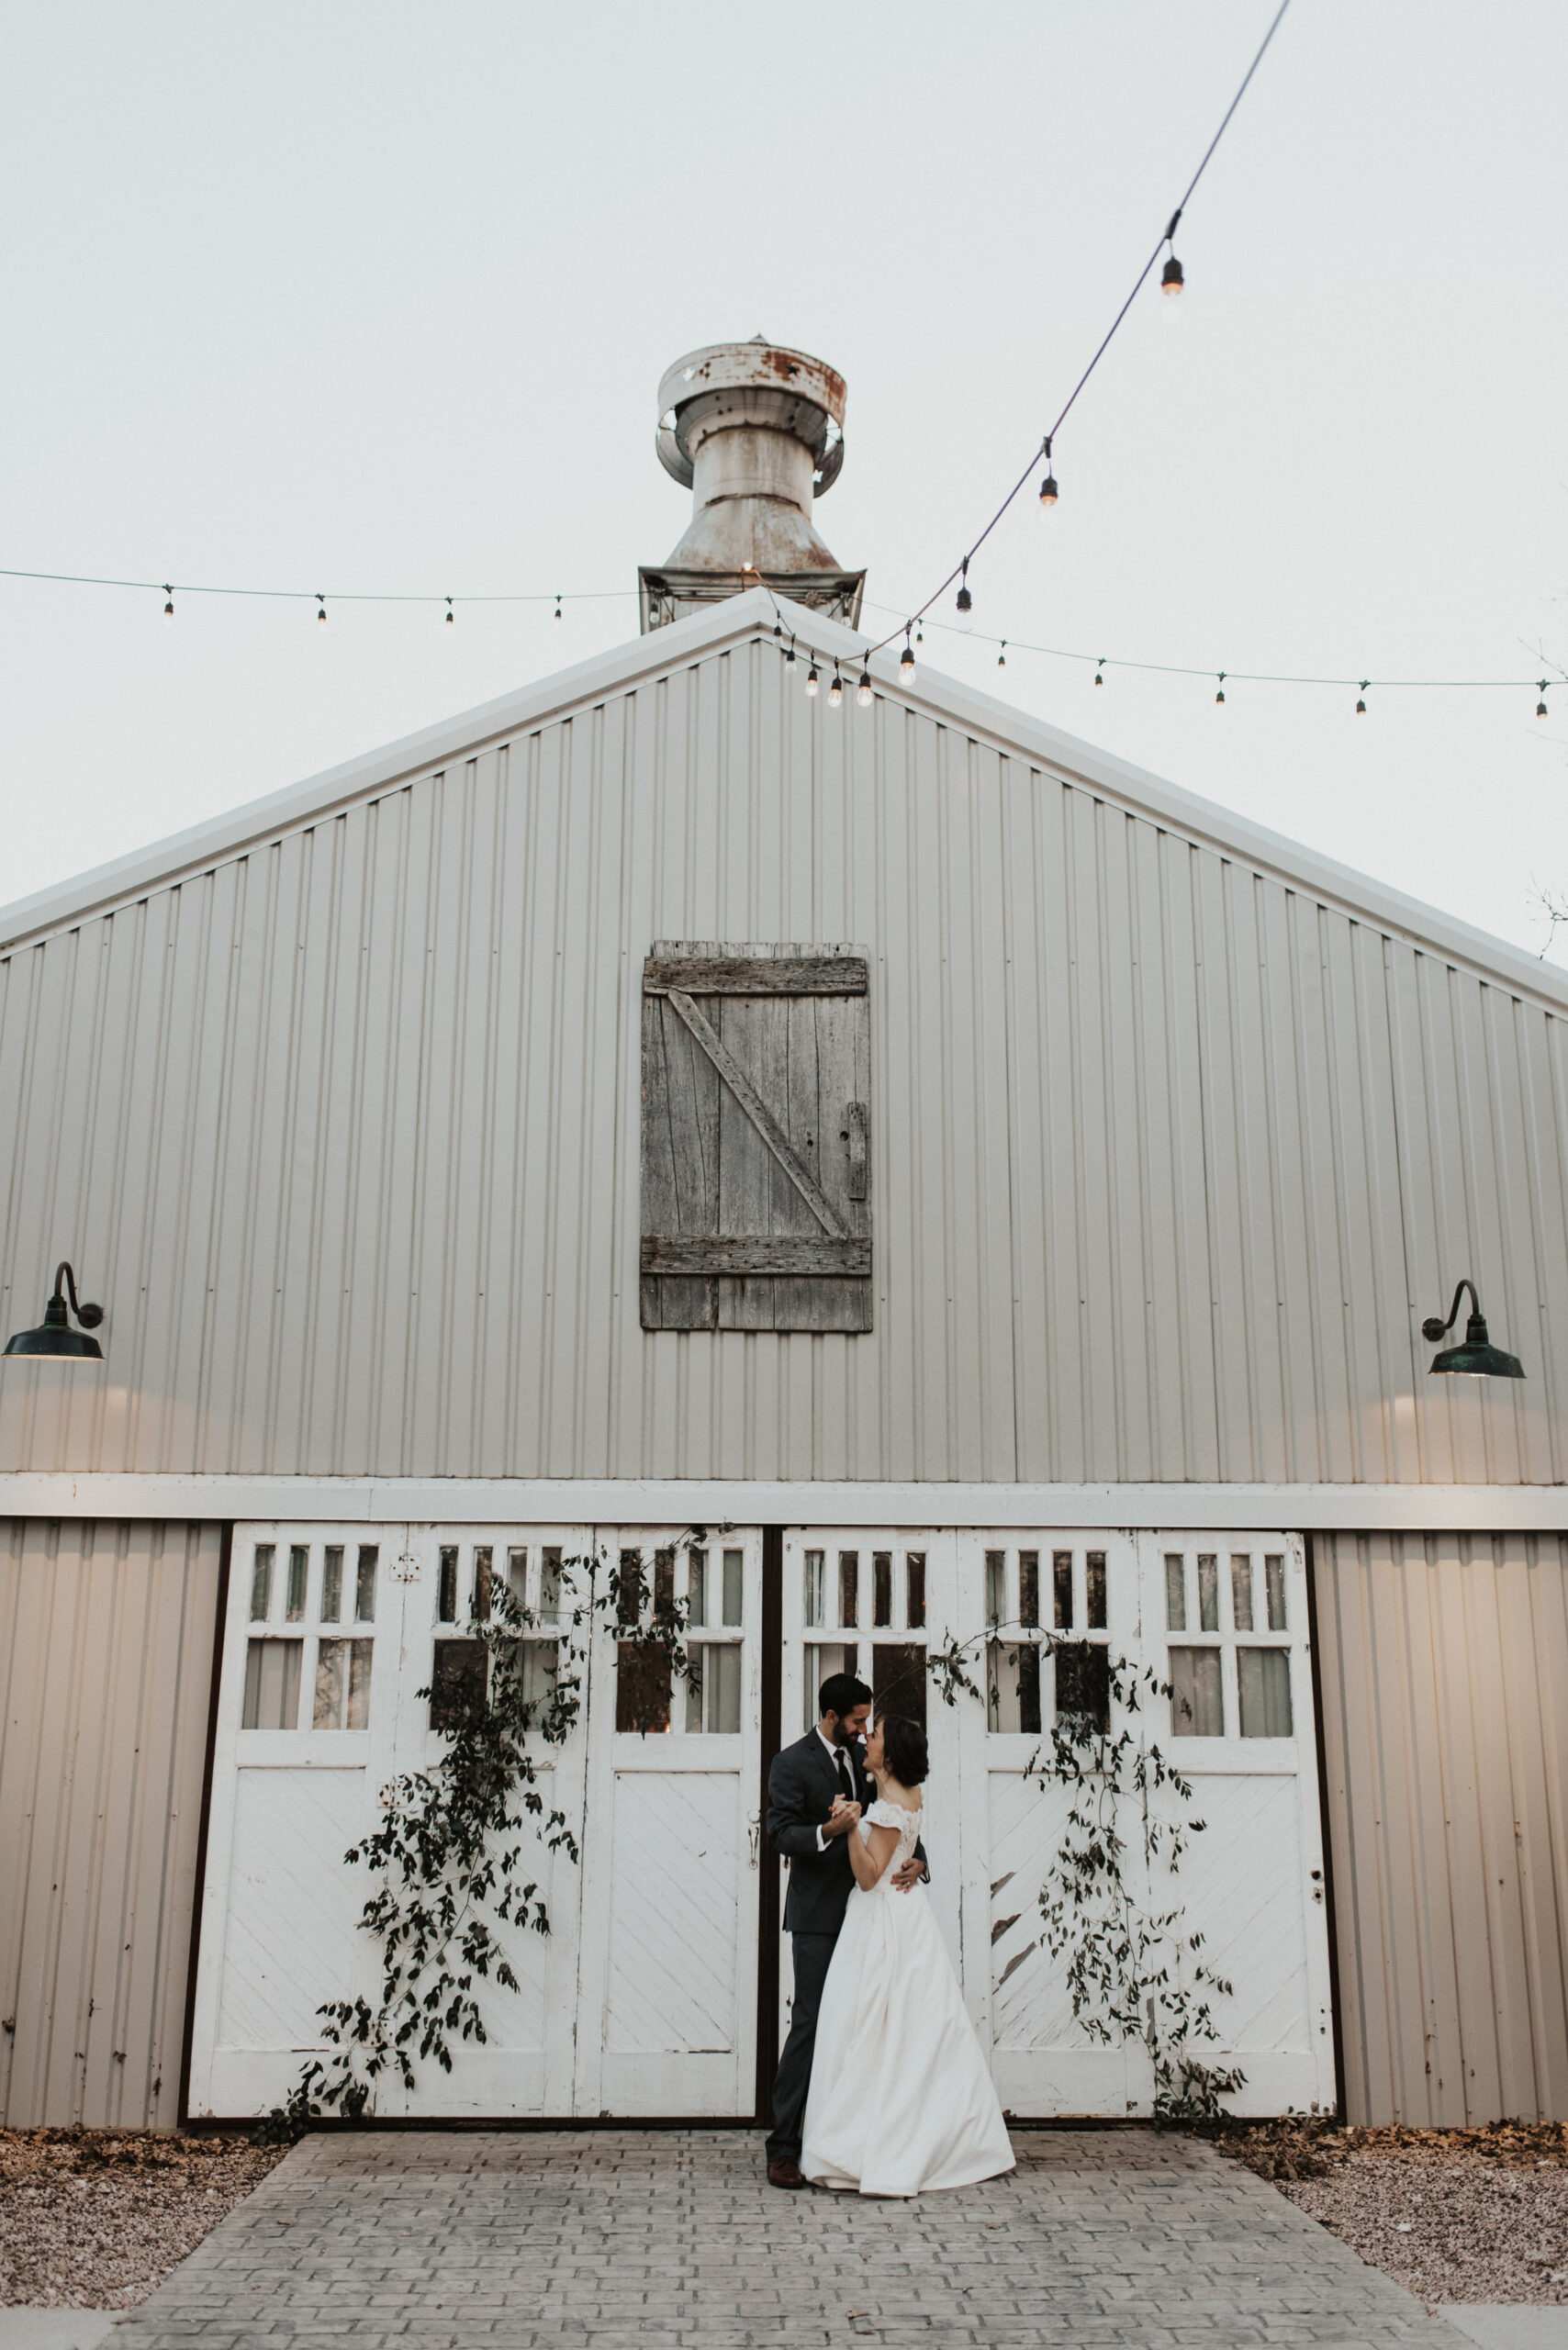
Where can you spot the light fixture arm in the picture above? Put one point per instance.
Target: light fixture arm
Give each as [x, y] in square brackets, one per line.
[1432, 1329]
[89, 1316]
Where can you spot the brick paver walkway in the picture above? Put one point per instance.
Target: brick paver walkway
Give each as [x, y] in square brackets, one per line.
[435, 2241]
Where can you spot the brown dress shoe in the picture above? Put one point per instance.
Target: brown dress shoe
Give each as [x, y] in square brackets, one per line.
[784, 2171]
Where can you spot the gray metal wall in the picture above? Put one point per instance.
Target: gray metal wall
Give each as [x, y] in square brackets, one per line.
[1169, 1158]
[106, 1665]
[1444, 1665]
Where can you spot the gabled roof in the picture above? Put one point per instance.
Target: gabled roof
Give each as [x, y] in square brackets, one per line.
[744, 619]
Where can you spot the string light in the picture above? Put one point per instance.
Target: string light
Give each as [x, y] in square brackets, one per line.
[919, 633]
[1100, 672]
[906, 662]
[1220, 696]
[321, 612]
[451, 616]
[1049, 491]
[1171, 278]
[1361, 700]
[966, 604]
[1541, 709]
[836, 691]
[558, 608]
[812, 681]
[863, 690]
[168, 607]
[789, 656]
[1001, 656]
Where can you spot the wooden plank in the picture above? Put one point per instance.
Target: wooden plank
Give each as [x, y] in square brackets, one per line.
[755, 975]
[756, 1109]
[739, 1257]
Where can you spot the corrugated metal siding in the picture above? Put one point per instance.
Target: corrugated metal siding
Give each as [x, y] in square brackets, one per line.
[1444, 1666]
[106, 1653]
[1169, 1158]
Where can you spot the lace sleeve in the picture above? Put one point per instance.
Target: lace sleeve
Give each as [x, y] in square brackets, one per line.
[885, 1815]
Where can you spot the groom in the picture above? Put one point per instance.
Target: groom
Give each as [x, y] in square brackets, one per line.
[816, 1792]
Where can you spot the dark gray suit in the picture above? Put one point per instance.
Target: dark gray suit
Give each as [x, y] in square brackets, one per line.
[802, 1786]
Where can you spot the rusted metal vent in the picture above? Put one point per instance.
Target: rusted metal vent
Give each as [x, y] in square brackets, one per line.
[756, 433]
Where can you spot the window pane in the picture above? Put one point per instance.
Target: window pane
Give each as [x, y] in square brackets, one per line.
[1274, 1578]
[697, 1587]
[517, 1576]
[820, 1664]
[483, 1556]
[734, 1584]
[1062, 1590]
[996, 1586]
[298, 1574]
[881, 1587]
[1030, 1587]
[849, 1587]
[1001, 1688]
[1029, 1688]
[457, 1684]
[550, 1584]
[717, 1703]
[1241, 1590]
[1263, 1681]
[1197, 1710]
[1175, 1592]
[642, 1688]
[914, 1590]
[446, 1585]
[632, 1587]
[262, 1584]
[897, 1680]
[1208, 1592]
[332, 1582]
[1094, 1589]
[811, 1591]
[365, 1585]
[329, 1661]
[541, 1662]
[272, 1685]
[1084, 1681]
[664, 1584]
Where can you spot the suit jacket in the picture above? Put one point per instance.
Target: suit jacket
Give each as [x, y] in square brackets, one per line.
[801, 1787]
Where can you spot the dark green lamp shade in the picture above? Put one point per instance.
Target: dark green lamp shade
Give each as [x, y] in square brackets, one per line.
[55, 1337]
[1478, 1355]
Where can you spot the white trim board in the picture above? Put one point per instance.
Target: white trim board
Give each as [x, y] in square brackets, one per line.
[626, 1501]
[748, 618]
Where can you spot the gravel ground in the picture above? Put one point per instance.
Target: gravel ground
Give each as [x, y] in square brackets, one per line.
[95, 2219]
[1453, 2215]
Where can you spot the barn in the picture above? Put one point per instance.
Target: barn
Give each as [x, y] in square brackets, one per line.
[905, 1180]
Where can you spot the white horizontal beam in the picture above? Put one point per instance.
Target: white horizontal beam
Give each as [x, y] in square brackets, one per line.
[612, 1501]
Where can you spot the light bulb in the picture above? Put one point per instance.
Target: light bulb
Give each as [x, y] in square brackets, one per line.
[966, 603]
[789, 658]
[1171, 280]
[322, 602]
[1540, 709]
[1048, 494]
[558, 608]
[812, 681]
[1098, 677]
[168, 607]
[1001, 656]
[906, 663]
[863, 691]
[1220, 696]
[450, 615]
[836, 691]
[1361, 704]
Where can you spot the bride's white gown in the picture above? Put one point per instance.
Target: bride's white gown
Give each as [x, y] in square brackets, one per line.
[901, 2100]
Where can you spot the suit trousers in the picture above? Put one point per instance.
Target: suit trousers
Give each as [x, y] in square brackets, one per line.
[812, 1956]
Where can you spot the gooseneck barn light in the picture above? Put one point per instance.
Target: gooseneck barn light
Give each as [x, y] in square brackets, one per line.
[54, 1335]
[1478, 1356]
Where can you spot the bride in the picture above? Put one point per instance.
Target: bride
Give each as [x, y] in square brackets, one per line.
[900, 2100]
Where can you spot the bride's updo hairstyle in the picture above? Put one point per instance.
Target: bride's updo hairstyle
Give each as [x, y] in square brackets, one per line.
[904, 1749]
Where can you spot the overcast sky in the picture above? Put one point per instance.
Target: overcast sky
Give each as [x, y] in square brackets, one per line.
[347, 296]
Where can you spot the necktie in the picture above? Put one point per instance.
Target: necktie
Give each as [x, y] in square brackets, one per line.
[845, 1782]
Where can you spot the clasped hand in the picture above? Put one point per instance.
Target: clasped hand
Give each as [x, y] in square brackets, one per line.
[842, 1817]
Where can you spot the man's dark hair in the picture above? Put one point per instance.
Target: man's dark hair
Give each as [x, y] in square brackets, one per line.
[840, 1693]
[904, 1749]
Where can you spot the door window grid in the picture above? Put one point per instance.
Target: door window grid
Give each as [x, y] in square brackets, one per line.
[839, 1588]
[1031, 1677]
[1229, 1672]
[712, 1581]
[468, 1577]
[309, 1595]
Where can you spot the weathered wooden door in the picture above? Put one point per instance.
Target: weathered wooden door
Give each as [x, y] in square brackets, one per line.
[757, 1200]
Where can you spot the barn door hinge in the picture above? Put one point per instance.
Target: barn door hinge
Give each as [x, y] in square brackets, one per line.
[754, 1835]
[855, 1131]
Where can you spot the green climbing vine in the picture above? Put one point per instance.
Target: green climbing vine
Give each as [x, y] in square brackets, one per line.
[448, 1854]
[1136, 1970]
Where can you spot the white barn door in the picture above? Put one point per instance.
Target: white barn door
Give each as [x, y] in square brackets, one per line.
[641, 2000]
[1223, 1619]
